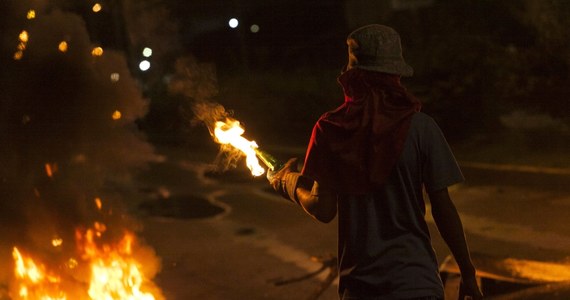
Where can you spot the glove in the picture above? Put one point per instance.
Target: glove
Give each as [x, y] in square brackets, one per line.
[284, 180]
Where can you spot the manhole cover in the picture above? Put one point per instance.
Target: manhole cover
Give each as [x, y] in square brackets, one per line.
[181, 207]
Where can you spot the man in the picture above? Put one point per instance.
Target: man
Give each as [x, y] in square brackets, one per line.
[368, 161]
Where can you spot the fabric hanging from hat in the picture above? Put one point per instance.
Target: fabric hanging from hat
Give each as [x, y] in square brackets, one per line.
[354, 148]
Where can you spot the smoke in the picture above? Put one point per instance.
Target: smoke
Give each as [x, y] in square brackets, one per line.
[197, 83]
[68, 133]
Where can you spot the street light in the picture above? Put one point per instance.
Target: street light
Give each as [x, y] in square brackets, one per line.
[144, 65]
[233, 23]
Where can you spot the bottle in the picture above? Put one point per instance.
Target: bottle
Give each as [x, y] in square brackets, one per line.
[271, 162]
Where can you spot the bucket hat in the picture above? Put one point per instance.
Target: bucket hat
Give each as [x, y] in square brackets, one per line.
[377, 48]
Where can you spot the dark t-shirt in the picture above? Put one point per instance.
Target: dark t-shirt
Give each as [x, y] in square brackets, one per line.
[384, 244]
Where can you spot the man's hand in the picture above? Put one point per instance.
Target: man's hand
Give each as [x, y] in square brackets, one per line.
[278, 179]
[469, 290]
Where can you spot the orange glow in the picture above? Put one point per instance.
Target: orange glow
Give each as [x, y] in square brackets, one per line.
[98, 203]
[34, 282]
[18, 55]
[57, 242]
[24, 37]
[50, 169]
[539, 271]
[97, 51]
[230, 133]
[62, 47]
[31, 14]
[96, 8]
[116, 115]
[114, 274]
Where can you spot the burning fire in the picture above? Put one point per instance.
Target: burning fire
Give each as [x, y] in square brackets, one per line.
[230, 133]
[114, 274]
[34, 281]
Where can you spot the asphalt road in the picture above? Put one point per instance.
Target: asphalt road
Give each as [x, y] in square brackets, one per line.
[226, 236]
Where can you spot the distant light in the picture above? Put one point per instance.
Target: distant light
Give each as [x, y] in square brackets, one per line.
[21, 46]
[233, 23]
[18, 55]
[147, 52]
[62, 46]
[24, 36]
[97, 51]
[116, 115]
[31, 14]
[144, 65]
[254, 28]
[96, 8]
[115, 77]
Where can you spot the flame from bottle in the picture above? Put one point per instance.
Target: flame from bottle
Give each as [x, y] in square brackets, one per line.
[230, 133]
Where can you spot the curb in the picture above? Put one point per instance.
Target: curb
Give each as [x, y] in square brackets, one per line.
[515, 168]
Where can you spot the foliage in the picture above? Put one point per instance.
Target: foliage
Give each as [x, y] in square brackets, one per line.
[477, 60]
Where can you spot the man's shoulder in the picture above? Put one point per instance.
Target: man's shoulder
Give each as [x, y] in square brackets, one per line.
[421, 117]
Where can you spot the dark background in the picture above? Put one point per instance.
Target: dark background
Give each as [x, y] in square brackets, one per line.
[474, 61]
[493, 74]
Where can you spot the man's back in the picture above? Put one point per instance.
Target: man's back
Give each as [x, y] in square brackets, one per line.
[384, 242]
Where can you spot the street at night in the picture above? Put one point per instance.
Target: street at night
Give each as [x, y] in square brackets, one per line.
[145, 146]
[261, 246]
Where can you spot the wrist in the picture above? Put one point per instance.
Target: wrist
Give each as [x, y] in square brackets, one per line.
[468, 272]
[290, 182]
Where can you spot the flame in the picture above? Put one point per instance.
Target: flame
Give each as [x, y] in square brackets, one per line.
[34, 282]
[230, 133]
[114, 272]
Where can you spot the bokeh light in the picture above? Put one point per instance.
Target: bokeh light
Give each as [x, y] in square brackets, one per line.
[147, 52]
[62, 46]
[254, 28]
[233, 23]
[31, 14]
[18, 55]
[116, 115]
[144, 65]
[97, 8]
[24, 37]
[97, 51]
[115, 77]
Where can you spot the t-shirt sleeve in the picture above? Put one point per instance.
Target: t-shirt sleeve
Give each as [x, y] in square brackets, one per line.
[316, 164]
[440, 168]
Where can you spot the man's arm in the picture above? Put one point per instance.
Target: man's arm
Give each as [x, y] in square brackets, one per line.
[320, 203]
[451, 229]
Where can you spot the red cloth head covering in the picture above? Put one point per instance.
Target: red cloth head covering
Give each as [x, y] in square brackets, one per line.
[354, 148]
